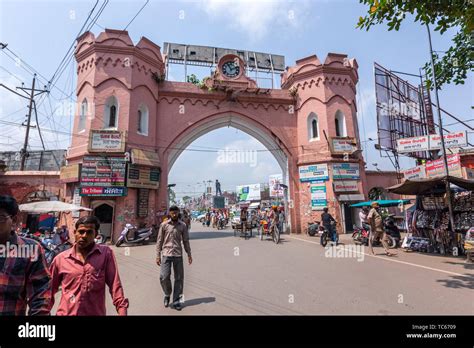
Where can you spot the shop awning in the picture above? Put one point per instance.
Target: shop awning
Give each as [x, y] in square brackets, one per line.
[415, 187]
[50, 207]
[383, 203]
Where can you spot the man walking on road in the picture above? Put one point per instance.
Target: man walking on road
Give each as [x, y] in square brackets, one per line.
[83, 271]
[376, 229]
[169, 254]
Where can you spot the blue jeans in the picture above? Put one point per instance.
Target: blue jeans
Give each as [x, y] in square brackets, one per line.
[332, 232]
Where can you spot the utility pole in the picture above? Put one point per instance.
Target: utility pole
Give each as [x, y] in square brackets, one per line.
[30, 92]
[440, 122]
[23, 151]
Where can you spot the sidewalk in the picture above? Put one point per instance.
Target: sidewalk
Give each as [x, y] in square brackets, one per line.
[454, 265]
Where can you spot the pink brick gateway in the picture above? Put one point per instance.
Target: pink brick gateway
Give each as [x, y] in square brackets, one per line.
[121, 88]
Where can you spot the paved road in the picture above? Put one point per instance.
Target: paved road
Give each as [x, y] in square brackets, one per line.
[231, 275]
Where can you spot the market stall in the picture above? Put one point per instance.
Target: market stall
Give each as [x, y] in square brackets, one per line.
[429, 224]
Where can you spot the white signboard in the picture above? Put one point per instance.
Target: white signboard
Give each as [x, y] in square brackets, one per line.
[458, 139]
[415, 173]
[76, 200]
[314, 172]
[318, 197]
[345, 186]
[106, 141]
[341, 171]
[415, 144]
[248, 192]
[274, 183]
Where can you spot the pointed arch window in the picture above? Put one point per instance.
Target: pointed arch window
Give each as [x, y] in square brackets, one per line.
[111, 113]
[340, 123]
[82, 116]
[142, 120]
[313, 127]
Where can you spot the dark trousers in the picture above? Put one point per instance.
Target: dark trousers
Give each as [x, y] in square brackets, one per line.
[165, 276]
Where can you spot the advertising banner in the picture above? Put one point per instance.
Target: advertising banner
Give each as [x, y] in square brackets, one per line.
[103, 171]
[436, 168]
[274, 183]
[143, 177]
[345, 186]
[103, 191]
[415, 173]
[416, 144]
[249, 192]
[318, 196]
[314, 172]
[341, 171]
[458, 139]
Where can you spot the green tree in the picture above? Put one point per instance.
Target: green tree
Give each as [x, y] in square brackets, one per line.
[455, 63]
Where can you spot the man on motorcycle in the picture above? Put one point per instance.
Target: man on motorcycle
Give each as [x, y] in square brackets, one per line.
[326, 220]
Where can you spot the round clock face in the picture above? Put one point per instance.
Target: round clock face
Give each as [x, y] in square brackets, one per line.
[230, 69]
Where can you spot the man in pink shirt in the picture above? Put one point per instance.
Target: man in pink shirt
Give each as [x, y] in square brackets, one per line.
[83, 271]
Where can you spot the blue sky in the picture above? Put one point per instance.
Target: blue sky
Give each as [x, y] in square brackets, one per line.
[40, 32]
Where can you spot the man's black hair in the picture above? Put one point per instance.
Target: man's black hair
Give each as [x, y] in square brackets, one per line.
[9, 204]
[88, 220]
[325, 209]
[174, 208]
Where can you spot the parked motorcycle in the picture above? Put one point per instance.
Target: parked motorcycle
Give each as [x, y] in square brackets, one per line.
[313, 228]
[361, 235]
[140, 236]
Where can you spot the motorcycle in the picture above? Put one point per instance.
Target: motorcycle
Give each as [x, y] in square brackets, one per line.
[393, 234]
[361, 235]
[313, 228]
[221, 224]
[326, 235]
[52, 250]
[141, 236]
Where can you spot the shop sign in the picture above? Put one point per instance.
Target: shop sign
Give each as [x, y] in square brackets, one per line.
[76, 200]
[314, 172]
[414, 144]
[343, 145]
[341, 171]
[345, 186]
[69, 173]
[436, 168]
[106, 141]
[318, 196]
[143, 177]
[142, 202]
[103, 171]
[458, 139]
[354, 197]
[103, 191]
[415, 173]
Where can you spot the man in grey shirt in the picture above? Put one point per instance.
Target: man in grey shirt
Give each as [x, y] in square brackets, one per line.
[169, 253]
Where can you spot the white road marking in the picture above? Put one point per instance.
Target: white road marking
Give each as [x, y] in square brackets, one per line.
[392, 260]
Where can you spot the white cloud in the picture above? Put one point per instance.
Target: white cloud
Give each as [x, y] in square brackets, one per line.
[256, 18]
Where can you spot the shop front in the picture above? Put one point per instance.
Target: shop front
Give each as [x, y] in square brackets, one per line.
[429, 226]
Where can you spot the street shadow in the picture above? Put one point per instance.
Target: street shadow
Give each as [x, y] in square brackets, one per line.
[464, 264]
[458, 282]
[197, 301]
[210, 235]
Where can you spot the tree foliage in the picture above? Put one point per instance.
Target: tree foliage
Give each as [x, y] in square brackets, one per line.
[454, 64]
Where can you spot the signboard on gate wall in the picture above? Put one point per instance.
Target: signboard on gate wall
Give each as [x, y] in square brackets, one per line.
[436, 168]
[103, 171]
[106, 141]
[314, 172]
